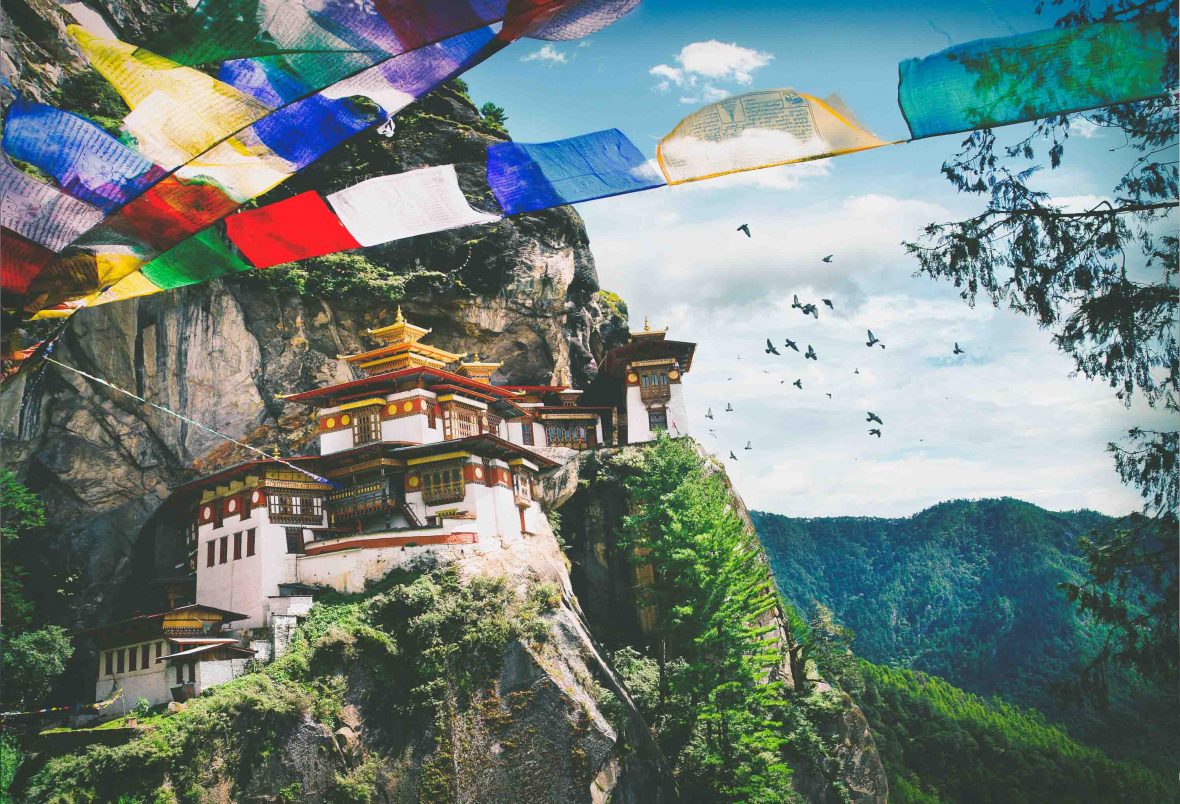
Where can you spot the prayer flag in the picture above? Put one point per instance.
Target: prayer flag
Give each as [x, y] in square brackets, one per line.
[995, 82]
[531, 176]
[405, 205]
[759, 130]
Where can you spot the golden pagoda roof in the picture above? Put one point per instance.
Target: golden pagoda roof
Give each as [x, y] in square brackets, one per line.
[392, 349]
[478, 369]
[649, 334]
[400, 331]
[400, 347]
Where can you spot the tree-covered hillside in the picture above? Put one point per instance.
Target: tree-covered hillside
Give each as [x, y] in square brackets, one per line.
[940, 744]
[968, 590]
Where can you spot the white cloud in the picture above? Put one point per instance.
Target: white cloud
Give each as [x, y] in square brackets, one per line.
[711, 61]
[1081, 127]
[706, 94]
[548, 54]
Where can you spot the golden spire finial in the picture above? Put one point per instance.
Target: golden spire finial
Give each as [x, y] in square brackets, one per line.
[400, 318]
[476, 358]
[646, 324]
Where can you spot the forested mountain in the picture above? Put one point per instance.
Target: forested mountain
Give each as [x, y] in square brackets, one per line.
[968, 590]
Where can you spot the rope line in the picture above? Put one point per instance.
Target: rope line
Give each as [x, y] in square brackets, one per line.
[193, 422]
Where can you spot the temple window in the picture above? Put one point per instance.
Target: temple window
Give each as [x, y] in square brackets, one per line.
[131, 657]
[565, 434]
[494, 424]
[237, 545]
[521, 486]
[294, 540]
[109, 663]
[145, 656]
[286, 509]
[657, 419]
[442, 485]
[192, 672]
[526, 433]
[464, 423]
[119, 660]
[366, 426]
[222, 549]
[250, 542]
[159, 649]
[179, 673]
[210, 552]
[654, 385]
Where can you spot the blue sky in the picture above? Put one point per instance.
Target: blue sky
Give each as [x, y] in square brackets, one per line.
[1004, 419]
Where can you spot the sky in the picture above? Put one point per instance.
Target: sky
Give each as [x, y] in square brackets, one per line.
[1007, 418]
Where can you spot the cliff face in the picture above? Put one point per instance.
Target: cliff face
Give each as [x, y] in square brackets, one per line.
[523, 291]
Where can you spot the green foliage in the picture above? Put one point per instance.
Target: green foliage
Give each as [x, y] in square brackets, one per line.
[614, 302]
[830, 647]
[423, 640]
[21, 514]
[1103, 280]
[142, 708]
[711, 695]
[942, 744]
[969, 591]
[32, 661]
[1130, 589]
[494, 116]
[89, 94]
[345, 275]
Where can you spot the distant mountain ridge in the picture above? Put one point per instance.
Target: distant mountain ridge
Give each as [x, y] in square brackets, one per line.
[968, 590]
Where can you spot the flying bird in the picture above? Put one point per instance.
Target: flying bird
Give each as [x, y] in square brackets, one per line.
[828, 302]
[829, 396]
[856, 371]
[873, 339]
[811, 355]
[770, 350]
[745, 227]
[959, 351]
[732, 457]
[875, 432]
[795, 303]
[709, 413]
[729, 407]
[749, 445]
[712, 432]
[765, 371]
[798, 384]
[792, 345]
[873, 417]
[829, 258]
[811, 310]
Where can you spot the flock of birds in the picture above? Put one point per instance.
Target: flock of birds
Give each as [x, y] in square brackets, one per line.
[810, 309]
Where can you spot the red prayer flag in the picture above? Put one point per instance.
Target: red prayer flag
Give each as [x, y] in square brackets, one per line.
[293, 229]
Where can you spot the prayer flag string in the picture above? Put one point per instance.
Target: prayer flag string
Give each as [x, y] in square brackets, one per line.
[161, 198]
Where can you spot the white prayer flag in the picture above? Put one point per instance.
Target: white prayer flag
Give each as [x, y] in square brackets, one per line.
[405, 205]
